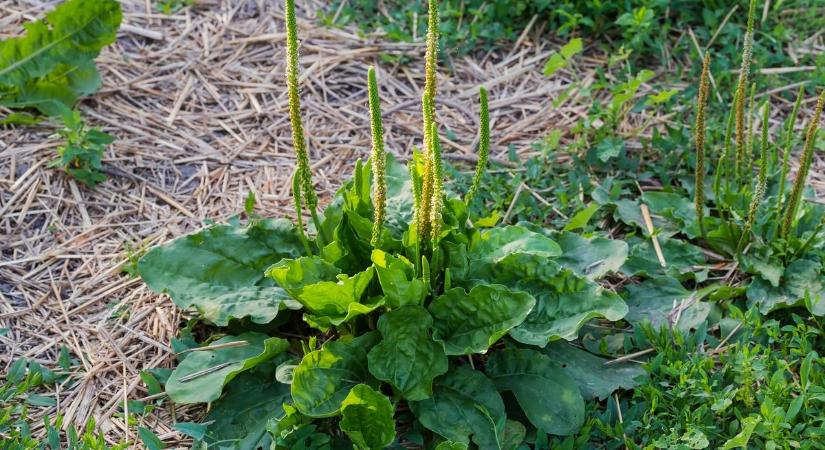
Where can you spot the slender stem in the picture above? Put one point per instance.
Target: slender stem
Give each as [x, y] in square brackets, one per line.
[787, 150]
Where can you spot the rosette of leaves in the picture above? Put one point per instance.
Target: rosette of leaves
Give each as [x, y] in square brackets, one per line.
[396, 314]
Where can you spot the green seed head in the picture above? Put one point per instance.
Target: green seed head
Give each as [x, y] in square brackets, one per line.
[378, 158]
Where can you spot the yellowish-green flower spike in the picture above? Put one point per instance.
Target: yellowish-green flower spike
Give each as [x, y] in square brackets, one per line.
[427, 176]
[761, 184]
[436, 200]
[751, 146]
[378, 159]
[741, 94]
[483, 146]
[295, 108]
[787, 150]
[699, 138]
[804, 167]
[430, 65]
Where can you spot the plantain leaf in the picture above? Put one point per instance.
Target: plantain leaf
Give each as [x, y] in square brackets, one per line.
[367, 418]
[548, 396]
[802, 283]
[592, 258]
[471, 322]
[595, 379]
[307, 281]
[464, 404]
[510, 252]
[398, 281]
[238, 420]
[52, 65]
[563, 304]
[407, 358]
[324, 377]
[201, 376]
[220, 270]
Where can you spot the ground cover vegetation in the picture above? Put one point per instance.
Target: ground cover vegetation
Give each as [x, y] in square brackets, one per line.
[647, 33]
[46, 70]
[669, 296]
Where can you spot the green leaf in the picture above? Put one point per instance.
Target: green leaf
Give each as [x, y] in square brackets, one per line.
[681, 258]
[324, 377]
[802, 279]
[407, 358]
[591, 257]
[306, 280]
[514, 434]
[741, 440]
[398, 281]
[563, 304]
[657, 299]
[196, 431]
[561, 59]
[511, 253]
[150, 439]
[580, 219]
[450, 445]
[549, 397]
[201, 376]
[595, 379]
[220, 270]
[464, 404]
[238, 420]
[367, 418]
[471, 322]
[53, 62]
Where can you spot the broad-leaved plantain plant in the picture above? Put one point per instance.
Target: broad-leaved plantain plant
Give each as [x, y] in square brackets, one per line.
[392, 318]
[761, 220]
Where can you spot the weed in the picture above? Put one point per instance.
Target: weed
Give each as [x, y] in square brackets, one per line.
[81, 156]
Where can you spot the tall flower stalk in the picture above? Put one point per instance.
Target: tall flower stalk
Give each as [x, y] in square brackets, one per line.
[761, 184]
[483, 146]
[304, 173]
[787, 150]
[378, 159]
[804, 167]
[428, 111]
[699, 138]
[437, 201]
[741, 93]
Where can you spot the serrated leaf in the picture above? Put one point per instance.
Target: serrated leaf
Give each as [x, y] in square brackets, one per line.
[407, 358]
[201, 376]
[324, 377]
[470, 322]
[594, 378]
[464, 404]
[580, 219]
[548, 396]
[367, 418]
[220, 270]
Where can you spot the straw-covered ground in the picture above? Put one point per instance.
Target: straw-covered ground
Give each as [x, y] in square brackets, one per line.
[197, 102]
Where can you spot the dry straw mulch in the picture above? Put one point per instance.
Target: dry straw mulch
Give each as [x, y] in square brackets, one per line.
[197, 102]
